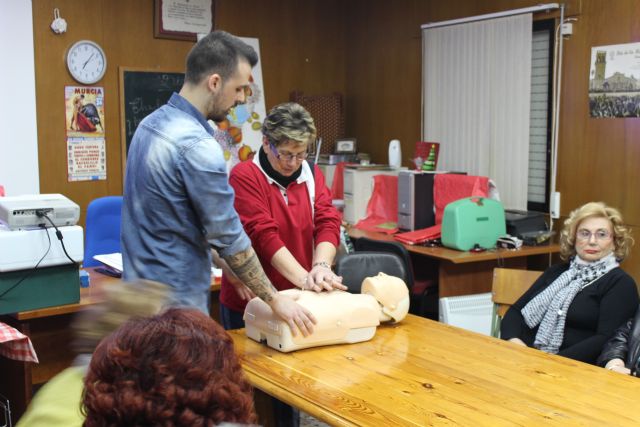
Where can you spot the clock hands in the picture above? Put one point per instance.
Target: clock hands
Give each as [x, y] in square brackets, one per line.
[87, 61]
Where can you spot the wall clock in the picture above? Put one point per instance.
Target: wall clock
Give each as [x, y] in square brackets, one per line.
[86, 62]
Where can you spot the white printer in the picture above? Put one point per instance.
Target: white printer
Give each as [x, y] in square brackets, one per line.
[22, 211]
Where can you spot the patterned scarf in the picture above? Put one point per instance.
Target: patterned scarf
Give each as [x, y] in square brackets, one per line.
[549, 307]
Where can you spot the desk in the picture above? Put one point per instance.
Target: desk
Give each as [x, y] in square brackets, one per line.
[50, 333]
[465, 273]
[422, 372]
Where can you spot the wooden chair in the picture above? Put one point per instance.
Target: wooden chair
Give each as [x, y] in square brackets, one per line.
[508, 285]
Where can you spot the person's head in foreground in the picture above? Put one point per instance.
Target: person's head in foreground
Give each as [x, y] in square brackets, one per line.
[593, 231]
[177, 368]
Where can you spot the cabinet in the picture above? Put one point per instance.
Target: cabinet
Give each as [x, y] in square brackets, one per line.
[328, 171]
[358, 187]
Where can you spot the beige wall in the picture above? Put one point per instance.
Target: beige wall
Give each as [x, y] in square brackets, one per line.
[370, 50]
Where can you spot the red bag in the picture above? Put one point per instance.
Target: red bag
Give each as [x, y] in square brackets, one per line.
[382, 208]
[448, 188]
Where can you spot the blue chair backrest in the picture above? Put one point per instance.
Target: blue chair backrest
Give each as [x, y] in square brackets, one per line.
[102, 233]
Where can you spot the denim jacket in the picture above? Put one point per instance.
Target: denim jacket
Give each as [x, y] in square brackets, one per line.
[177, 203]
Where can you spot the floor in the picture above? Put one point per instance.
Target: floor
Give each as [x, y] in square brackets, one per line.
[307, 420]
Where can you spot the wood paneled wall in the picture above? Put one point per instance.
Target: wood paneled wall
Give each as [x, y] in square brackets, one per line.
[597, 159]
[370, 50]
[301, 42]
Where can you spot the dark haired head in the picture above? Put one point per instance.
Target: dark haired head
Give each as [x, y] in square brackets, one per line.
[174, 369]
[218, 52]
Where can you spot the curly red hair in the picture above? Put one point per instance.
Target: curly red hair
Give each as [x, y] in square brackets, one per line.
[174, 369]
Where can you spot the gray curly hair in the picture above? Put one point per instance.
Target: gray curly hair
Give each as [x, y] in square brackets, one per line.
[289, 122]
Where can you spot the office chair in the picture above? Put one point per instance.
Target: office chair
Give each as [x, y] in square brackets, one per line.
[102, 232]
[357, 266]
[423, 291]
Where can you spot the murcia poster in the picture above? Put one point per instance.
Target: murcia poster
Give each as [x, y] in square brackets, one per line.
[86, 147]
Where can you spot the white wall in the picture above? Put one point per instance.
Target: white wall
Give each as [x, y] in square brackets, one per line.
[18, 126]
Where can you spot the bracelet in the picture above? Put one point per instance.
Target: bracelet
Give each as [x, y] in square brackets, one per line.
[322, 264]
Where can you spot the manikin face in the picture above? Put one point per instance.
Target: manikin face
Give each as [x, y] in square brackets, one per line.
[594, 239]
[227, 94]
[285, 158]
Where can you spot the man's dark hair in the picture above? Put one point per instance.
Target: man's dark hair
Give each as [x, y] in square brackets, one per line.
[218, 52]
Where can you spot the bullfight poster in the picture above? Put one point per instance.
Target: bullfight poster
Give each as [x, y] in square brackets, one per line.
[614, 81]
[240, 133]
[86, 151]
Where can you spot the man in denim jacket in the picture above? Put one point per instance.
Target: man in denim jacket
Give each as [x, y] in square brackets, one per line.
[177, 200]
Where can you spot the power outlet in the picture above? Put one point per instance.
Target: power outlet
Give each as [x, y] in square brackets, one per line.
[555, 205]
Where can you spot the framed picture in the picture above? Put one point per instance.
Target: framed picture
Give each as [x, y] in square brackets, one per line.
[346, 145]
[183, 19]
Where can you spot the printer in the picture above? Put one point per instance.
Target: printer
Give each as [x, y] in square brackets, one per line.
[23, 211]
[35, 270]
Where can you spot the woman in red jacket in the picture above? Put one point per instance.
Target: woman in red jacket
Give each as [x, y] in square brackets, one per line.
[285, 208]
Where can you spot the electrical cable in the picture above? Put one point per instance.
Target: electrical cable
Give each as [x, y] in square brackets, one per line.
[30, 272]
[58, 234]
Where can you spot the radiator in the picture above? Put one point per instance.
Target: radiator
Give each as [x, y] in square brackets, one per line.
[471, 312]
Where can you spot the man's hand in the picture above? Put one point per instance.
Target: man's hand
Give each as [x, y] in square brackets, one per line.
[296, 316]
[322, 278]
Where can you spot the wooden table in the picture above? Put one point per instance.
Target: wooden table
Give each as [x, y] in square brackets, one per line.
[464, 273]
[422, 372]
[49, 331]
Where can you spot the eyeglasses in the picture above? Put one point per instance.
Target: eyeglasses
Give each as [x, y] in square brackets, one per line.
[598, 235]
[287, 157]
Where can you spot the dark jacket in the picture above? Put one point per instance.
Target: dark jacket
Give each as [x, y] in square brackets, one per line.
[625, 344]
[593, 316]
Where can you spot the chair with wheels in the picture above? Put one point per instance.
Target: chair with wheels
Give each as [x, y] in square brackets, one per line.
[102, 232]
[423, 290]
[357, 266]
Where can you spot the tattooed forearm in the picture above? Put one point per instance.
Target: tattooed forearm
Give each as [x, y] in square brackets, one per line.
[247, 267]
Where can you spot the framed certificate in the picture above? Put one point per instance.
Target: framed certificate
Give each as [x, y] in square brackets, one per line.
[183, 19]
[346, 145]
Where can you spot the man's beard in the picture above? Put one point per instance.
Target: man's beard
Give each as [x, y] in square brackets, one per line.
[215, 111]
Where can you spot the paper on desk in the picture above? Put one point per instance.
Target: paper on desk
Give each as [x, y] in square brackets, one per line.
[114, 261]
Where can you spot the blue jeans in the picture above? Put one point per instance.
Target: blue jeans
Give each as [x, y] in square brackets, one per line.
[286, 416]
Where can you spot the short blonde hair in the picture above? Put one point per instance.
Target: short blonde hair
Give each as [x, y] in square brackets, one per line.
[622, 240]
[289, 122]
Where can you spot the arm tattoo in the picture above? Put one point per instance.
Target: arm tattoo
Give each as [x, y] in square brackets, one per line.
[246, 266]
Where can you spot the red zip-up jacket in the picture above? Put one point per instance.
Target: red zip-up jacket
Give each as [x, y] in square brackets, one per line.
[273, 217]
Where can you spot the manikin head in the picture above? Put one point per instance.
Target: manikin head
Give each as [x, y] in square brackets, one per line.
[391, 293]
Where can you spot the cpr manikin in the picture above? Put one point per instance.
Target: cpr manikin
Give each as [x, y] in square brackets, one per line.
[342, 317]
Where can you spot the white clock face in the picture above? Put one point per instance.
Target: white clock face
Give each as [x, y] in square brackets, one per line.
[86, 62]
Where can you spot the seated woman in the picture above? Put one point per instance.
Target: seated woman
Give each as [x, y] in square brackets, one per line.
[174, 369]
[575, 307]
[622, 351]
